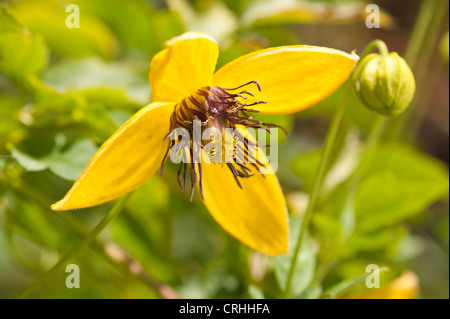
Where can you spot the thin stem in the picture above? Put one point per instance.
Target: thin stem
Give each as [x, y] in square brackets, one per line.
[420, 48]
[420, 31]
[324, 159]
[375, 44]
[418, 112]
[318, 180]
[430, 12]
[78, 248]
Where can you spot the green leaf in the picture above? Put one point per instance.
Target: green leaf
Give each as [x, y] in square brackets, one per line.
[21, 54]
[8, 23]
[406, 160]
[204, 20]
[344, 286]
[140, 26]
[29, 163]
[94, 73]
[132, 233]
[387, 198]
[254, 292]
[381, 240]
[305, 167]
[48, 18]
[2, 162]
[70, 163]
[341, 161]
[53, 109]
[67, 164]
[306, 261]
[312, 292]
[10, 125]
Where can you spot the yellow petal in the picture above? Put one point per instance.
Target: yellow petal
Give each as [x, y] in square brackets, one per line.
[187, 64]
[292, 78]
[255, 214]
[126, 160]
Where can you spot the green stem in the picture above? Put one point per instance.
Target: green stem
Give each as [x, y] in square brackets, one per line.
[375, 44]
[418, 112]
[318, 180]
[420, 48]
[325, 157]
[347, 216]
[78, 248]
[430, 12]
[421, 31]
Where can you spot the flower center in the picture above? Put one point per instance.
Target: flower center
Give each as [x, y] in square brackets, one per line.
[217, 113]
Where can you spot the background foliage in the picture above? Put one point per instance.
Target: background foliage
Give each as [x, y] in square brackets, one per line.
[65, 91]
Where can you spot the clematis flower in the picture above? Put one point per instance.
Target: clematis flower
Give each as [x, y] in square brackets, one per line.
[247, 204]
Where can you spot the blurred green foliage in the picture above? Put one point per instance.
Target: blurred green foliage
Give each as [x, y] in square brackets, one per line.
[65, 91]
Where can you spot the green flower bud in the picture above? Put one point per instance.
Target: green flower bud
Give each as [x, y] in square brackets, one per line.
[384, 84]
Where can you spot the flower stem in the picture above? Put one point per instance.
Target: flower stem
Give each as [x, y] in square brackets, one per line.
[421, 31]
[318, 180]
[375, 44]
[78, 248]
[421, 46]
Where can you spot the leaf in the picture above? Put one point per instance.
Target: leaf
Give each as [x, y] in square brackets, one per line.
[305, 167]
[48, 19]
[344, 286]
[70, 164]
[2, 162]
[381, 240]
[21, 54]
[142, 229]
[306, 261]
[29, 163]
[140, 26]
[8, 23]
[340, 165]
[130, 232]
[254, 292]
[404, 160]
[67, 164]
[205, 20]
[9, 119]
[94, 73]
[398, 182]
[52, 108]
[312, 292]
[386, 198]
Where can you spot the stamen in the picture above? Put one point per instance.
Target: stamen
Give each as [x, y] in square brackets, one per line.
[219, 108]
[251, 82]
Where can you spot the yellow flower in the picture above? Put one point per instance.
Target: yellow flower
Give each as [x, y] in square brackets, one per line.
[250, 206]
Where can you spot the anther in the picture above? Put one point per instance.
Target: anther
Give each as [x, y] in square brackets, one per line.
[218, 108]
